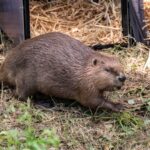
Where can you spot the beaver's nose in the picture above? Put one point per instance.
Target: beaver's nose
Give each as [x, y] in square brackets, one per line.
[122, 78]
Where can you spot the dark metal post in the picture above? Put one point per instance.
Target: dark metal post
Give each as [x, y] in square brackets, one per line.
[125, 17]
[26, 18]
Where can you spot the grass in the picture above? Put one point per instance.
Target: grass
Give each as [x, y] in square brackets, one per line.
[27, 126]
[27, 136]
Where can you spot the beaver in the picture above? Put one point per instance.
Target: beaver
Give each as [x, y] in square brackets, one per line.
[58, 65]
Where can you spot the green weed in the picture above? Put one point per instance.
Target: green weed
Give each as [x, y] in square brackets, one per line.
[128, 122]
[28, 138]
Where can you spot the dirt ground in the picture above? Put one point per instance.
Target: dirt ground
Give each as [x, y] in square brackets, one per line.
[79, 128]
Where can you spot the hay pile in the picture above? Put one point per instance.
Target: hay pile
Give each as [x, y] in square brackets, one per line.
[90, 23]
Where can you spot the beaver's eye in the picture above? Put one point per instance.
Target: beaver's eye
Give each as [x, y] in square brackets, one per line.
[108, 69]
[111, 70]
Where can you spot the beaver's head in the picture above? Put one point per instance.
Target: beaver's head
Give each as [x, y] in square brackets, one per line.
[107, 73]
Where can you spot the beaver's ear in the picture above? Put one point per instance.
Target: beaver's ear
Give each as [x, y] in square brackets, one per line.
[94, 62]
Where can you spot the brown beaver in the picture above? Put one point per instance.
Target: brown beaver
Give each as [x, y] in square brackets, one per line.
[56, 64]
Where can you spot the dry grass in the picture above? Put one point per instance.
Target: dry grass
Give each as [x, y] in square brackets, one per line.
[79, 128]
[81, 19]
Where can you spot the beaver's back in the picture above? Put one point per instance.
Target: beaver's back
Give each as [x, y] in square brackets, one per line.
[54, 59]
[55, 48]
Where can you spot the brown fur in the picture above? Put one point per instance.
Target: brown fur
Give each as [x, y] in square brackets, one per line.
[58, 65]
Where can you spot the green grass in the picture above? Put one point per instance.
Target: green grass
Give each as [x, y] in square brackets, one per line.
[27, 137]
